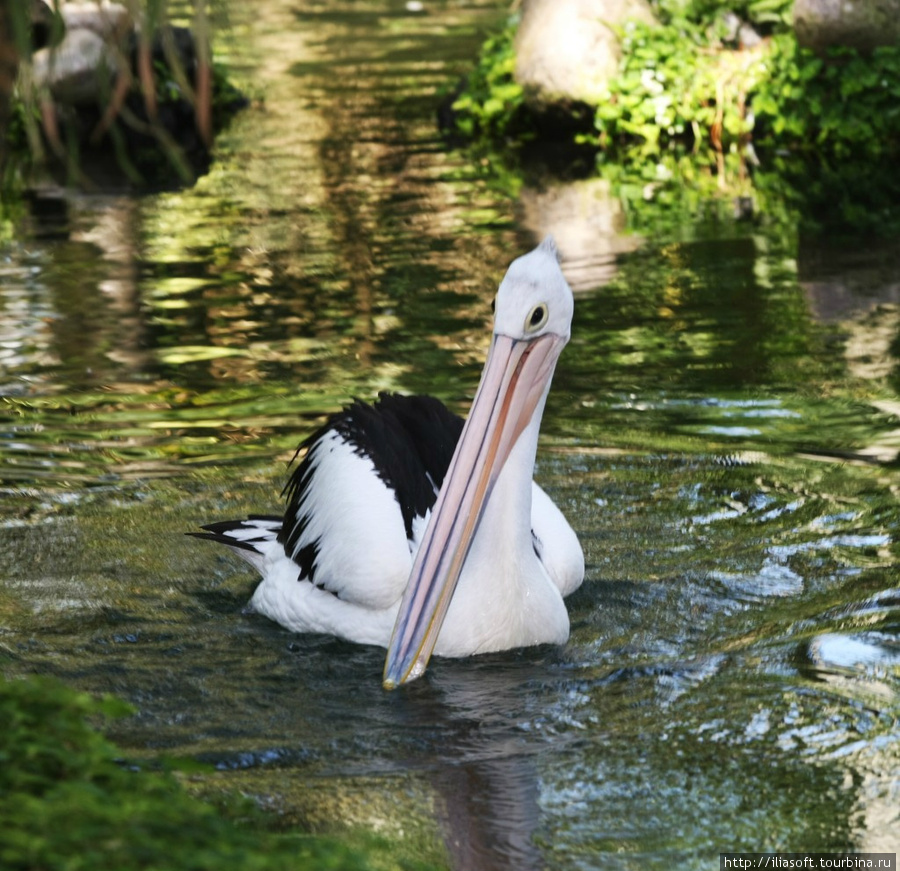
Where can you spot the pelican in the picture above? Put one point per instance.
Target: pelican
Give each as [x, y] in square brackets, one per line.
[411, 530]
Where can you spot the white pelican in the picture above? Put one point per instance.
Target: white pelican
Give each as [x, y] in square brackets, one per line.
[408, 529]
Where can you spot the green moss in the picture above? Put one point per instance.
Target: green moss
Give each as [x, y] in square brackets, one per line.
[68, 802]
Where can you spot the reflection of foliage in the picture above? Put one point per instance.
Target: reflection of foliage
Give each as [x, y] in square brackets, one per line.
[677, 196]
[67, 801]
[856, 197]
[673, 196]
[720, 312]
[12, 207]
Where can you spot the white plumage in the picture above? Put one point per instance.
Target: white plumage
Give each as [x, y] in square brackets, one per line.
[498, 555]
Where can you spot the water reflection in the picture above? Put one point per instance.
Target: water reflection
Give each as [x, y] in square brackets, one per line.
[856, 284]
[588, 221]
[485, 779]
[490, 814]
[687, 708]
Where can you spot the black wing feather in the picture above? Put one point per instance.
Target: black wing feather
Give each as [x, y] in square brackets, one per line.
[219, 531]
[410, 441]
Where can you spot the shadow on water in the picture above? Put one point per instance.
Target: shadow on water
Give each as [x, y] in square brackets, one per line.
[722, 434]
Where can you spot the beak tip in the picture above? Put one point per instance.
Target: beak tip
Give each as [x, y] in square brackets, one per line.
[401, 672]
[393, 676]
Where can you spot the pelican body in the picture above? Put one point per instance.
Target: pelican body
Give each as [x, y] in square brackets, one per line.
[410, 529]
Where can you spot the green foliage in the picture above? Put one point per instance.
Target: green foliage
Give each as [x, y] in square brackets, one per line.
[153, 139]
[683, 83]
[491, 101]
[762, 14]
[843, 104]
[672, 87]
[67, 801]
[774, 13]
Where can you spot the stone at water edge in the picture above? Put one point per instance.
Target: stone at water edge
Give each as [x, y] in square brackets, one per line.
[566, 52]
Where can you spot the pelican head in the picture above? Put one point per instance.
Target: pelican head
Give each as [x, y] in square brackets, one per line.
[532, 323]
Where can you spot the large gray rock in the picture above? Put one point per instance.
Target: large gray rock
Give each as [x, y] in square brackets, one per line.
[860, 24]
[566, 50]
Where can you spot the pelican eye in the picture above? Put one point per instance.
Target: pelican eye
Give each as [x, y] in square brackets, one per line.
[537, 317]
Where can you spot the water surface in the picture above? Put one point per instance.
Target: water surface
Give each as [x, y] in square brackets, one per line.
[723, 435]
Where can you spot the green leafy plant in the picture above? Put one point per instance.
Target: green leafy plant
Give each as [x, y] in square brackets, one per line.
[674, 88]
[764, 15]
[841, 104]
[491, 101]
[68, 802]
[683, 84]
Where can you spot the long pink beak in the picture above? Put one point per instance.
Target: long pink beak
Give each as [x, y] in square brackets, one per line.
[515, 377]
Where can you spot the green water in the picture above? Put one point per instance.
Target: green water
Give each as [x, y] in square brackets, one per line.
[723, 435]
